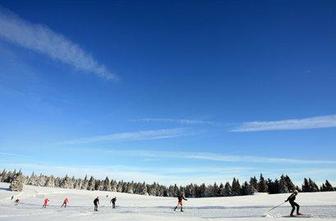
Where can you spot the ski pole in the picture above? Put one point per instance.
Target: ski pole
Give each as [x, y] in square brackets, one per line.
[276, 207]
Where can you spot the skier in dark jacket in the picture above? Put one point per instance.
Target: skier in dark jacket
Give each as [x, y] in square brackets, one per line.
[65, 202]
[180, 199]
[291, 200]
[96, 203]
[113, 201]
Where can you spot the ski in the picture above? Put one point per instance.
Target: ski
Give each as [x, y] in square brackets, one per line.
[299, 216]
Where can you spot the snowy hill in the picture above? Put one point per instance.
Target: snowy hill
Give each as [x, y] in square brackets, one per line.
[132, 207]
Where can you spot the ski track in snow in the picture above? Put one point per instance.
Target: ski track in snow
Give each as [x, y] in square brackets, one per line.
[321, 206]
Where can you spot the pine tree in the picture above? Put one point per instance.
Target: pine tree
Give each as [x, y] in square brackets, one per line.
[176, 191]
[99, 185]
[107, 184]
[208, 191]
[85, 183]
[91, 184]
[58, 182]
[283, 185]
[273, 187]
[216, 191]
[227, 189]
[50, 182]
[262, 185]
[221, 189]
[41, 180]
[120, 186]
[113, 186]
[165, 192]
[3, 175]
[305, 186]
[17, 182]
[236, 189]
[309, 186]
[9, 176]
[78, 184]
[66, 183]
[143, 189]
[32, 179]
[130, 188]
[189, 190]
[246, 189]
[327, 186]
[202, 190]
[313, 186]
[254, 184]
[290, 185]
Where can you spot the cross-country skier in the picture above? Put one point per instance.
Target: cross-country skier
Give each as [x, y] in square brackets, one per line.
[180, 199]
[113, 201]
[45, 203]
[65, 202]
[96, 203]
[291, 200]
[17, 201]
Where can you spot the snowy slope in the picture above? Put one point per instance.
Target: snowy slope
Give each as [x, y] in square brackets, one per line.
[322, 206]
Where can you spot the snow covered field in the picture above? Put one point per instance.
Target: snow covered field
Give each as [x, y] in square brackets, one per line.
[322, 206]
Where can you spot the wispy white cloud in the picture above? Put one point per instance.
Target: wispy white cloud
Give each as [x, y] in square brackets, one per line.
[131, 136]
[177, 121]
[208, 156]
[8, 154]
[42, 39]
[290, 124]
[255, 159]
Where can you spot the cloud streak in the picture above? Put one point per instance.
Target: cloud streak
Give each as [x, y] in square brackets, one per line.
[132, 136]
[208, 156]
[5, 154]
[254, 159]
[42, 39]
[290, 124]
[172, 120]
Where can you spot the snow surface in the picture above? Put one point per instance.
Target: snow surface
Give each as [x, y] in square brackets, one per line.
[131, 207]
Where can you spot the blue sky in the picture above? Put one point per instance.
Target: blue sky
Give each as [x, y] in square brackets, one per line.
[169, 91]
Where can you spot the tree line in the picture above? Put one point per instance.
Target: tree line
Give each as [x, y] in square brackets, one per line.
[280, 185]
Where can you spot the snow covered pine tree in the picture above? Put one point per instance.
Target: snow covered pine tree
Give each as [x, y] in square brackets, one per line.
[17, 182]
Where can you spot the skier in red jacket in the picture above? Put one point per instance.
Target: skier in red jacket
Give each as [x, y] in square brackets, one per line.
[45, 203]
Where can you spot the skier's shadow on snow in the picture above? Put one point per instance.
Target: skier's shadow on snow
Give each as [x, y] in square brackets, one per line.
[4, 188]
